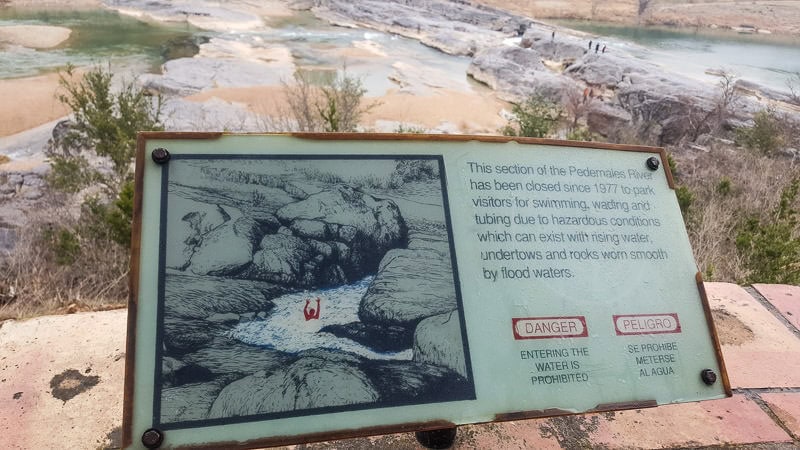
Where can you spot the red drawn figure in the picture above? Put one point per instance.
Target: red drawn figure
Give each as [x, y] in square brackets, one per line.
[311, 313]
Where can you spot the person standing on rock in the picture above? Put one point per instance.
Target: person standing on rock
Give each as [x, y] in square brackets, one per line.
[604, 48]
[553, 36]
[596, 47]
[590, 45]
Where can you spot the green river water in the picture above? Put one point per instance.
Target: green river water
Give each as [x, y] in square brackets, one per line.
[103, 35]
[97, 36]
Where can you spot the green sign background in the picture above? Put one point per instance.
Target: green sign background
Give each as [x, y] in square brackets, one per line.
[586, 248]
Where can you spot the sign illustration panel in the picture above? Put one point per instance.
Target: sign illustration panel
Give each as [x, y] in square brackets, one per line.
[294, 286]
[297, 288]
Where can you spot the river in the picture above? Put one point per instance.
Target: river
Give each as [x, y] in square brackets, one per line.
[286, 328]
[101, 35]
[765, 59]
[98, 36]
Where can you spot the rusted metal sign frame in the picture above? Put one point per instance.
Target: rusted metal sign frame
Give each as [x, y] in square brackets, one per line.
[136, 264]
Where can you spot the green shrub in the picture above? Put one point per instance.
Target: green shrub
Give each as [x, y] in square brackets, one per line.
[409, 129]
[330, 102]
[102, 220]
[673, 166]
[685, 200]
[408, 170]
[64, 244]
[535, 117]
[106, 123]
[770, 249]
[766, 134]
[725, 186]
[580, 134]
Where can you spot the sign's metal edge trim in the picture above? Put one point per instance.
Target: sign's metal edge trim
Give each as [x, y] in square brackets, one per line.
[712, 330]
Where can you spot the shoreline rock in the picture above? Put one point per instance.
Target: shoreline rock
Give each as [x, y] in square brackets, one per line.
[34, 36]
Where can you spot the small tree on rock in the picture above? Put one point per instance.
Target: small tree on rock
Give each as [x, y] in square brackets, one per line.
[333, 103]
[535, 117]
[99, 146]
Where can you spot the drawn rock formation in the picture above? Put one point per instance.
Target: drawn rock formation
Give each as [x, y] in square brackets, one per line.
[311, 382]
[367, 226]
[403, 381]
[421, 301]
[437, 340]
[227, 249]
[246, 238]
[331, 237]
[402, 294]
[189, 402]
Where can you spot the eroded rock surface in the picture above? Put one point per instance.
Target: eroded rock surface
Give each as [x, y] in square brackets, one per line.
[437, 341]
[402, 294]
[311, 382]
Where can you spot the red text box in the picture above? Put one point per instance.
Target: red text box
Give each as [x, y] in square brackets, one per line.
[633, 324]
[549, 327]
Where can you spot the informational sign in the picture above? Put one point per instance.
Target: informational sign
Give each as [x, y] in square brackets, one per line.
[293, 288]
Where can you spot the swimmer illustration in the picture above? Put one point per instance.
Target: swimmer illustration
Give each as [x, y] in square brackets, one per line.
[311, 313]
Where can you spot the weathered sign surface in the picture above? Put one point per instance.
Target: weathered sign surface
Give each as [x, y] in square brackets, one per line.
[296, 288]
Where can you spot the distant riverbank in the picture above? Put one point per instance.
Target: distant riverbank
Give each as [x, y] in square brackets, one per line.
[751, 16]
[768, 60]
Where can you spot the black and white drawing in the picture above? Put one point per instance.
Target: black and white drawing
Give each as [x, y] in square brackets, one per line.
[301, 285]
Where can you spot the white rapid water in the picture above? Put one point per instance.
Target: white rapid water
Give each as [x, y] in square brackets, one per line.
[287, 330]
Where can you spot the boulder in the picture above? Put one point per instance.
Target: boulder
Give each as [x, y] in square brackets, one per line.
[186, 335]
[605, 70]
[228, 356]
[366, 225]
[410, 286]
[62, 140]
[605, 119]
[517, 73]
[414, 382]
[169, 366]
[438, 341]
[311, 382]
[193, 297]
[455, 28]
[380, 338]
[186, 76]
[189, 221]
[565, 48]
[293, 261]
[227, 249]
[188, 402]
[425, 241]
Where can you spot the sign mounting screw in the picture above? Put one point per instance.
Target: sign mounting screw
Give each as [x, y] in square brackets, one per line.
[152, 438]
[160, 155]
[653, 163]
[708, 376]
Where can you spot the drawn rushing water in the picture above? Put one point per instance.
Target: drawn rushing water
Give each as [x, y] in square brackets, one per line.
[765, 59]
[287, 330]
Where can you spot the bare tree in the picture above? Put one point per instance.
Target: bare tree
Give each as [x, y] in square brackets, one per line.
[334, 102]
[300, 96]
[576, 104]
[728, 96]
[793, 83]
[643, 4]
